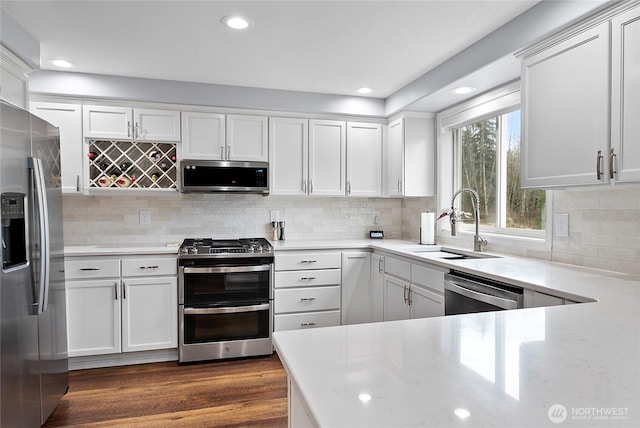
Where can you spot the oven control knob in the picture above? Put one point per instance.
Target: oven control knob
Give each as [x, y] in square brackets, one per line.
[192, 250]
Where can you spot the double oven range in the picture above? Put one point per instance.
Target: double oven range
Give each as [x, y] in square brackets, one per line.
[225, 299]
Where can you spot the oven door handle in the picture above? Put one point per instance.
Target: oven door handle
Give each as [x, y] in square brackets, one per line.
[482, 297]
[227, 310]
[227, 269]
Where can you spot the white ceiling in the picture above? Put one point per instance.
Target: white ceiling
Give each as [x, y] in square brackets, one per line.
[313, 46]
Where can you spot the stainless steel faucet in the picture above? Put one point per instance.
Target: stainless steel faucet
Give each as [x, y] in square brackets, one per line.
[454, 216]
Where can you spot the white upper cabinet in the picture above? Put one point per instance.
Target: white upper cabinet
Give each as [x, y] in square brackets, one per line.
[68, 118]
[409, 157]
[565, 99]
[203, 136]
[625, 97]
[327, 158]
[247, 138]
[123, 123]
[581, 103]
[364, 159]
[288, 156]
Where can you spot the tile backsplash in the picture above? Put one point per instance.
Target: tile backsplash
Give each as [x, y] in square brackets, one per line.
[604, 222]
[115, 219]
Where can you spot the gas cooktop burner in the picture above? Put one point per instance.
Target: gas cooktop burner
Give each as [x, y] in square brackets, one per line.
[202, 247]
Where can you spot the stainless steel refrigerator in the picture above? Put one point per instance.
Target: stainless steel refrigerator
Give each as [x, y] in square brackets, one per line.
[33, 346]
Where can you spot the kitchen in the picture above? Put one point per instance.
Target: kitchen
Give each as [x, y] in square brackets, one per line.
[596, 213]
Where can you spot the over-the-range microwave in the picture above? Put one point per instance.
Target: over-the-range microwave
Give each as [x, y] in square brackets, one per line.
[213, 176]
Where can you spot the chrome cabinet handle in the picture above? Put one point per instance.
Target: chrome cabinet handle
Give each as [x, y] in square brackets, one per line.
[137, 131]
[115, 287]
[129, 128]
[304, 186]
[307, 278]
[308, 324]
[380, 265]
[222, 151]
[229, 310]
[310, 187]
[307, 299]
[78, 183]
[599, 158]
[90, 269]
[124, 290]
[228, 151]
[404, 294]
[612, 163]
[409, 293]
[149, 267]
[308, 261]
[348, 187]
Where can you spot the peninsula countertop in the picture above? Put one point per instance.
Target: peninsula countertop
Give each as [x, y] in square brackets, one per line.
[579, 363]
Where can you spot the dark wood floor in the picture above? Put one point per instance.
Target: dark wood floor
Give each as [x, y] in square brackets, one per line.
[249, 392]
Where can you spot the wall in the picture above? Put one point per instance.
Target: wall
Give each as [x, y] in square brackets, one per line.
[115, 219]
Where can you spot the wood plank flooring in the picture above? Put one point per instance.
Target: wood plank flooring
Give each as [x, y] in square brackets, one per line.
[248, 392]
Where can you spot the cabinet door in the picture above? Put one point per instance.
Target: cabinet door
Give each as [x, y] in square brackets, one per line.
[203, 136]
[288, 156]
[377, 286]
[149, 313]
[356, 288]
[112, 123]
[247, 138]
[425, 304]
[68, 118]
[565, 112]
[625, 96]
[93, 317]
[395, 299]
[327, 163]
[394, 157]
[156, 125]
[364, 159]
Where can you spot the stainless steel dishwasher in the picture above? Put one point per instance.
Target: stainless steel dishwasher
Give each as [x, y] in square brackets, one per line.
[467, 294]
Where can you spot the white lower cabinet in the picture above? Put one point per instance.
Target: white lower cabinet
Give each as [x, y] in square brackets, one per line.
[149, 313]
[93, 317]
[109, 313]
[306, 290]
[411, 290]
[357, 293]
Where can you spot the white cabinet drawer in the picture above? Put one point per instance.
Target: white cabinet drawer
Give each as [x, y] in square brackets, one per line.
[397, 267]
[307, 299]
[305, 261]
[307, 278]
[307, 320]
[91, 268]
[427, 277]
[149, 266]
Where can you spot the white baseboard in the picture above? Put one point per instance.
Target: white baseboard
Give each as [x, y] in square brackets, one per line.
[123, 359]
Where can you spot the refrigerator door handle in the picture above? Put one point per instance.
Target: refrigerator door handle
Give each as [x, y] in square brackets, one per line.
[43, 219]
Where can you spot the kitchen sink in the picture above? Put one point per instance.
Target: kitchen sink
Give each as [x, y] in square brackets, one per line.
[451, 254]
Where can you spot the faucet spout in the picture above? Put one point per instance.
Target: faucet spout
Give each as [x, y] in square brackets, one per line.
[478, 242]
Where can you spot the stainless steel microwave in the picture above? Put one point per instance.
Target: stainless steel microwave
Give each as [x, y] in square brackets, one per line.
[213, 176]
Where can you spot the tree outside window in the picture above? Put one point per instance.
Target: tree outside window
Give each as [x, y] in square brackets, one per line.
[490, 164]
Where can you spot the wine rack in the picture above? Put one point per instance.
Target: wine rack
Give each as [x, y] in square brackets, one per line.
[133, 165]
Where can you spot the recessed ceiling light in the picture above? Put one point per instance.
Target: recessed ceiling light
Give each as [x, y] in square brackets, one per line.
[462, 413]
[61, 63]
[236, 22]
[364, 397]
[461, 90]
[364, 90]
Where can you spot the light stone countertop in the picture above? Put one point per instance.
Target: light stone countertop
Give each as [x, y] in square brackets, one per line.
[507, 369]
[121, 249]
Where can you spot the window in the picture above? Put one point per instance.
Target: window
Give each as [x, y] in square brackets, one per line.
[479, 149]
[489, 163]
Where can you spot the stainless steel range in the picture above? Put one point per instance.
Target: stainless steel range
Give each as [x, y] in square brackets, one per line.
[225, 300]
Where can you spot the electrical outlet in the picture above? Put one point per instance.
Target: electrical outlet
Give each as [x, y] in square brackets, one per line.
[376, 217]
[145, 217]
[562, 225]
[274, 215]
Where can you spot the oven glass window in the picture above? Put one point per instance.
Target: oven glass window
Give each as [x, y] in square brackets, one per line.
[225, 327]
[207, 289]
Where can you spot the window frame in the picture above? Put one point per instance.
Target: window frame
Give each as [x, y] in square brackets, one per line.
[494, 103]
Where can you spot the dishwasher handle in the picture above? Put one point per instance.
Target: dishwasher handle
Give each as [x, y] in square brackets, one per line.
[457, 285]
